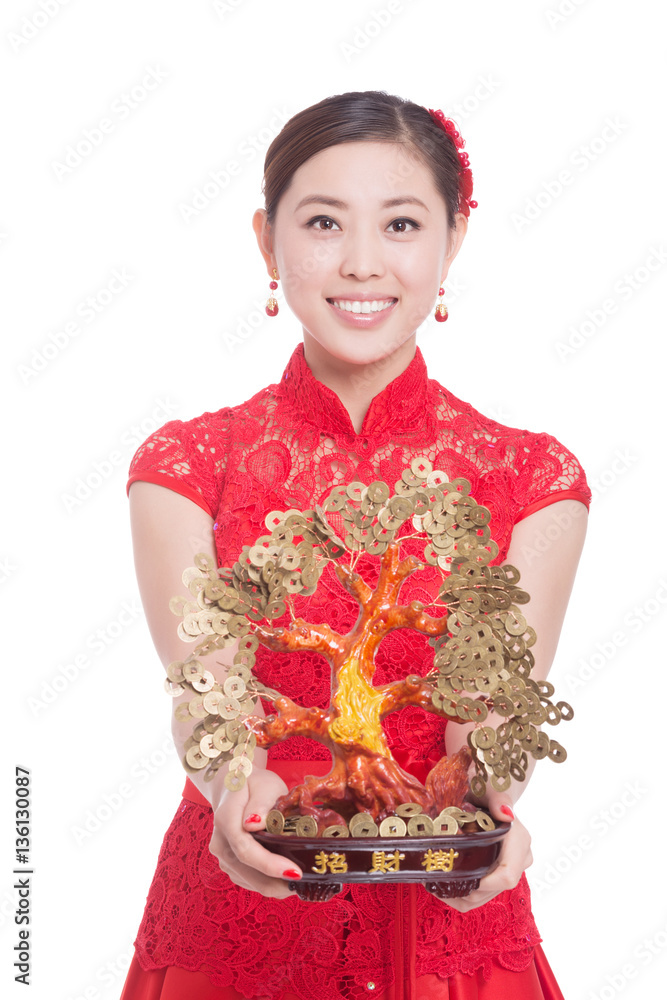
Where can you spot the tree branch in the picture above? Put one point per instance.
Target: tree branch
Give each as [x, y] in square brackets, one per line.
[290, 720]
[302, 635]
[353, 583]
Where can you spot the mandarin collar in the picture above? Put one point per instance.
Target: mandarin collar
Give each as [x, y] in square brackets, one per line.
[405, 405]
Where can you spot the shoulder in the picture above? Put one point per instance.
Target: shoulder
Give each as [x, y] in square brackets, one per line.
[541, 468]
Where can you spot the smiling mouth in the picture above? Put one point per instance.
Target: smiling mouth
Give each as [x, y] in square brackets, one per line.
[366, 306]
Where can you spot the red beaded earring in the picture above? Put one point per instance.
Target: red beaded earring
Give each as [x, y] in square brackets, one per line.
[271, 302]
[441, 311]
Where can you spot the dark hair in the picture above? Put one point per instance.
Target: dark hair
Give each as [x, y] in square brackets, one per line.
[371, 116]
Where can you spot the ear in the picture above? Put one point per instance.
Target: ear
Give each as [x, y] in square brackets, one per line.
[455, 239]
[264, 236]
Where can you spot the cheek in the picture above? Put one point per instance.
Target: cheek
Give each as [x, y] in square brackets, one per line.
[306, 265]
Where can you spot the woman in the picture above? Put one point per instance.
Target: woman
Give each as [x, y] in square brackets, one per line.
[367, 204]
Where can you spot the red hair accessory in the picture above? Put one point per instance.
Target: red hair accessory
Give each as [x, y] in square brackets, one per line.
[465, 173]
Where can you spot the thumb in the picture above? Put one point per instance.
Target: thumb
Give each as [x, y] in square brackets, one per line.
[500, 806]
[264, 788]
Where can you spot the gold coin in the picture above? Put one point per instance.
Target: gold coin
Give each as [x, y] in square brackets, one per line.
[196, 707]
[203, 683]
[182, 712]
[196, 758]
[275, 821]
[337, 830]
[354, 490]
[557, 752]
[234, 781]
[444, 824]
[421, 467]
[234, 686]
[478, 785]
[500, 784]
[208, 747]
[393, 826]
[363, 825]
[192, 669]
[408, 809]
[486, 737]
[378, 492]
[175, 671]
[240, 764]
[220, 741]
[228, 707]
[484, 820]
[420, 826]
[211, 701]
[517, 772]
[306, 826]
[173, 689]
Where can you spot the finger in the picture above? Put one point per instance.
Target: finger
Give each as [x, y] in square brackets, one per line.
[247, 875]
[261, 799]
[500, 806]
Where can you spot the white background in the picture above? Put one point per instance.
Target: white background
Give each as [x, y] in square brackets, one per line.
[533, 91]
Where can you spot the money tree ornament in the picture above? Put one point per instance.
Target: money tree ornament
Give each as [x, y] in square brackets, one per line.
[482, 660]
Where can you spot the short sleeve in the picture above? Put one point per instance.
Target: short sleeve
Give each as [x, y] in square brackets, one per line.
[549, 472]
[188, 457]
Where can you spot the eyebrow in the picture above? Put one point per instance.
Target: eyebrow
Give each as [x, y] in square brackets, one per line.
[323, 199]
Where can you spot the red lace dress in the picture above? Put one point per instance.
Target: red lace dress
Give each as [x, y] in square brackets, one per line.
[201, 935]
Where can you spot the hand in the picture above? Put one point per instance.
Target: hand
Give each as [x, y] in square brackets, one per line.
[515, 857]
[246, 862]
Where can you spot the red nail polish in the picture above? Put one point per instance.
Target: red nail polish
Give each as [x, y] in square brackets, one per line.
[507, 811]
[290, 873]
[253, 819]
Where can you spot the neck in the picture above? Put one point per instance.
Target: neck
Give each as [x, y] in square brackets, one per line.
[356, 384]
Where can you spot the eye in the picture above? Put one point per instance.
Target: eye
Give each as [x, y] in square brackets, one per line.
[325, 219]
[404, 223]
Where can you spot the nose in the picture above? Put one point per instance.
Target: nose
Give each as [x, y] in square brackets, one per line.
[362, 255]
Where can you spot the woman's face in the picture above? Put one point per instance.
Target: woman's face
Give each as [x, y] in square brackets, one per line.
[361, 227]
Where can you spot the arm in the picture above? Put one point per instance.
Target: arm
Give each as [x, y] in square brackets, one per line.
[547, 571]
[168, 530]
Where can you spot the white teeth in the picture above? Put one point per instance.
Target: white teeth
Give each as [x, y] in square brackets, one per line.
[355, 306]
